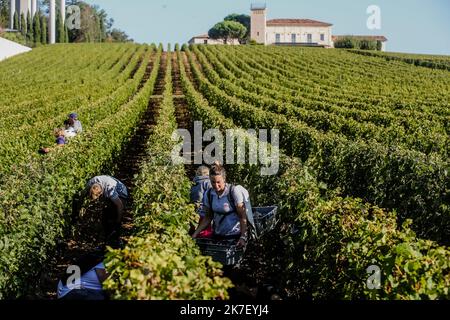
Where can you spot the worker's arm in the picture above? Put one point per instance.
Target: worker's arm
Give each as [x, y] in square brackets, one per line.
[204, 224]
[119, 205]
[242, 214]
[51, 149]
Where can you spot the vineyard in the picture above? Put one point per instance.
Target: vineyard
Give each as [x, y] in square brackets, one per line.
[433, 62]
[363, 178]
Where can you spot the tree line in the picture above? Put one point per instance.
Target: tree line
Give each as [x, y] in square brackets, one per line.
[95, 25]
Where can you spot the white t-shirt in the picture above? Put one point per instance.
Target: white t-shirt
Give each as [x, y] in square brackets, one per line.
[227, 225]
[89, 280]
[70, 133]
[78, 127]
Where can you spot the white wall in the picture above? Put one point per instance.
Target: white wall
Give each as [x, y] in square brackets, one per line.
[197, 41]
[301, 34]
[213, 41]
[9, 49]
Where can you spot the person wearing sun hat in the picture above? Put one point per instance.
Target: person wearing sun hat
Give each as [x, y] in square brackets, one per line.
[77, 124]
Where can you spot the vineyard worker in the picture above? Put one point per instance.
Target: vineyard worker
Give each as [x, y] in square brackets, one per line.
[115, 193]
[202, 183]
[70, 131]
[60, 140]
[60, 137]
[229, 207]
[77, 125]
[89, 285]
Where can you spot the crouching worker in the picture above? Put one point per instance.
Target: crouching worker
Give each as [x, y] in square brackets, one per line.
[202, 183]
[228, 207]
[70, 131]
[60, 141]
[84, 280]
[115, 193]
[78, 128]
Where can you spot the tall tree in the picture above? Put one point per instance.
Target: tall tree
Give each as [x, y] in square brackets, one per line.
[16, 21]
[30, 32]
[44, 30]
[226, 30]
[4, 14]
[37, 28]
[23, 25]
[66, 32]
[102, 24]
[61, 34]
[96, 26]
[243, 19]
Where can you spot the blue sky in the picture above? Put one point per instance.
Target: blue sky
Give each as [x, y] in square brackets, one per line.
[416, 26]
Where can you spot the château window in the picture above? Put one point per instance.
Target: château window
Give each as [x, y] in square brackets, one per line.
[294, 38]
[322, 37]
[277, 38]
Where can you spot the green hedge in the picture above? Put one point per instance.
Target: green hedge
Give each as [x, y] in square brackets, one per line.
[326, 242]
[355, 43]
[36, 202]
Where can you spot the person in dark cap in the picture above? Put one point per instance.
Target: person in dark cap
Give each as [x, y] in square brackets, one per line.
[77, 124]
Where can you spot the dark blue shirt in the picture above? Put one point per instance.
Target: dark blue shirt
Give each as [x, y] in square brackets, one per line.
[60, 141]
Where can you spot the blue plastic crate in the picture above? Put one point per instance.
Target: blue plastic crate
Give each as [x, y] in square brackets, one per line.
[223, 251]
[265, 219]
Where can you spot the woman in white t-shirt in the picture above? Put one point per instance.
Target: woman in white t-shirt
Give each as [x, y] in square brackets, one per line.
[228, 207]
